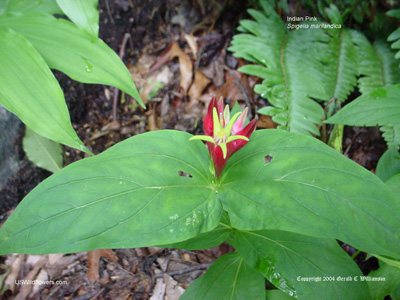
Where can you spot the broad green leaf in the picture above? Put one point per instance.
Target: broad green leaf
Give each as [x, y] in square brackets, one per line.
[391, 262]
[29, 90]
[25, 6]
[228, 278]
[206, 240]
[72, 50]
[131, 195]
[302, 266]
[277, 295]
[380, 107]
[388, 164]
[394, 185]
[383, 281]
[43, 152]
[83, 13]
[290, 182]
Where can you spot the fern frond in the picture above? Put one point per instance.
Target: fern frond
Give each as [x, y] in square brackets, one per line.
[377, 64]
[290, 64]
[395, 35]
[342, 65]
[391, 134]
[378, 68]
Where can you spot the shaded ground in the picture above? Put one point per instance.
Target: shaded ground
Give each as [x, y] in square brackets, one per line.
[176, 52]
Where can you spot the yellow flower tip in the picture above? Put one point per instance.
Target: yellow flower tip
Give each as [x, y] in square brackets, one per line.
[237, 137]
[224, 149]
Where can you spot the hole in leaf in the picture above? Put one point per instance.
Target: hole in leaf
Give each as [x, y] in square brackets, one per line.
[267, 158]
[184, 174]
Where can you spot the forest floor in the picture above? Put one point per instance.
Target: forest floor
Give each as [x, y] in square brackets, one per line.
[177, 54]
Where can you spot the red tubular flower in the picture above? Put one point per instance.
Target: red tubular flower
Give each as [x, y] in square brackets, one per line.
[224, 136]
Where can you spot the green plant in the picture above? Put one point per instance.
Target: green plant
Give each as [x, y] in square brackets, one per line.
[33, 41]
[309, 65]
[281, 200]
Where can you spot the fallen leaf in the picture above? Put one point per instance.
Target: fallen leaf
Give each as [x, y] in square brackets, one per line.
[93, 262]
[16, 263]
[185, 64]
[197, 88]
[25, 289]
[190, 39]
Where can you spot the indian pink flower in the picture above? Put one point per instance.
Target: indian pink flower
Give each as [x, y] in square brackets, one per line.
[224, 135]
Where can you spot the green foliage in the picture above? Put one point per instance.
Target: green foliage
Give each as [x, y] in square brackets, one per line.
[129, 196]
[43, 152]
[394, 185]
[388, 164]
[380, 107]
[31, 43]
[121, 199]
[379, 289]
[308, 188]
[341, 65]
[287, 62]
[395, 36]
[376, 64]
[290, 260]
[83, 13]
[24, 6]
[280, 213]
[29, 90]
[228, 278]
[297, 67]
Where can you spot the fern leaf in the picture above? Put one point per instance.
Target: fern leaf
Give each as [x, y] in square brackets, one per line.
[395, 36]
[377, 64]
[342, 65]
[378, 68]
[391, 134]
[288, 63]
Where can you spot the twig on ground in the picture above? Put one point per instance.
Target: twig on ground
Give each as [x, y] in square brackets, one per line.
[116, 91]
[184, 271]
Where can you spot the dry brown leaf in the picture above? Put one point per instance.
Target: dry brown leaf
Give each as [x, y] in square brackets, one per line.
[265, 122]
[93, 262]
[190, 39]
[197, 88]
[185, 64]
[16, 263]
[25, 289]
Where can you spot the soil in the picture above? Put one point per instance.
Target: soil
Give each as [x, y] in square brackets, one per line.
[153, 26]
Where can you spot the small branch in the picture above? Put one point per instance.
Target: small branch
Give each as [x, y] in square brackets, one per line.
[184, 271]
[116, 91]
[242, 88]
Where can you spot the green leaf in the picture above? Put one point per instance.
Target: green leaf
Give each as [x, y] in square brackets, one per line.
[277, 295]
[341, 68]
[42, 6]
[228, 278]
[290, 62]
[388, 164]
[381, 288]
[394, 185]
[29, 90]
[376, 63]
[336, 138]
[129, 196]
[42, 152]
[302, 266]
[290, 182]
[83, 13]
[206, 240]
[72, 50]
[380, 107]
[391, 262]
